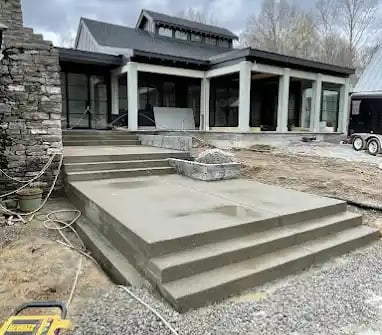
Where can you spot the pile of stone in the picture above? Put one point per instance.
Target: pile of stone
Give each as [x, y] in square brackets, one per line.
[215, 156]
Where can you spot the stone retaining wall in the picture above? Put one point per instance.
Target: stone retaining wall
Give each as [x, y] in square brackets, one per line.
[30, 101]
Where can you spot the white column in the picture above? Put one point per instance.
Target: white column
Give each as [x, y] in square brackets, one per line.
[344, 108]
[205, 104]
[316, 105]
[114, 95]
[245, 95]
[283, 102]
[132, 95]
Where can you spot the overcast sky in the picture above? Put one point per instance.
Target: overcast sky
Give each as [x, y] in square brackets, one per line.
[58, 19]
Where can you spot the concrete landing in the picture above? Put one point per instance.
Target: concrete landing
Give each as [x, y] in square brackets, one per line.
[161, 208]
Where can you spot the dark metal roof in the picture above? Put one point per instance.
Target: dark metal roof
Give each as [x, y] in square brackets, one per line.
[86, 57]
[115, 36]
[187, 24]
[272, 58]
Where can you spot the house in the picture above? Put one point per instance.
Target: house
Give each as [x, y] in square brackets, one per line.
[366, 99]
[169, 73]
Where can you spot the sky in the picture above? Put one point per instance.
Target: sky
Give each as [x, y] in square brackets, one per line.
[58, 20]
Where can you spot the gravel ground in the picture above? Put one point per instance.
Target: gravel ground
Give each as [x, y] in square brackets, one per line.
[343, 296]
[329, 150]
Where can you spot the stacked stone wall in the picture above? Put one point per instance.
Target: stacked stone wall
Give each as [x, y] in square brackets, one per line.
[30, 101]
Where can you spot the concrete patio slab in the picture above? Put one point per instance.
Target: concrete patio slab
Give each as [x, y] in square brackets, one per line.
[161, 208]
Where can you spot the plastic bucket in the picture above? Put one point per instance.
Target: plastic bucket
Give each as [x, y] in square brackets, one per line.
[29, 199]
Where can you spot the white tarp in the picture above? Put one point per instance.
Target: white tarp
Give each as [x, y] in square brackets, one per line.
[174, 118]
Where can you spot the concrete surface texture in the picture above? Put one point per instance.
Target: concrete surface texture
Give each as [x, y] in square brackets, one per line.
[199, 242]
[206, 172]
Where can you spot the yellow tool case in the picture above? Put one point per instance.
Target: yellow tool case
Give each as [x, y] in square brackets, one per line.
[36, 324]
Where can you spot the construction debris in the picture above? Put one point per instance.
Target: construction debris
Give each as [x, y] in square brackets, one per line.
[215, 156]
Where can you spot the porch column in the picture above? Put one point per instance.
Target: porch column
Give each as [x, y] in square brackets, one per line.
[245, 95]
[316, 104]
[132, 95]
[205, 104]
[344, 110]
[114, 95]
[283, 102]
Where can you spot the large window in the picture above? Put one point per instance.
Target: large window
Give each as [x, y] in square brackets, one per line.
[167, 32]
[224, 43]
[224, 104]
[169, 95]
[78, 102]
[330, 103]
[196, 37]
[210, 40]
[193, 98]
[181, 35]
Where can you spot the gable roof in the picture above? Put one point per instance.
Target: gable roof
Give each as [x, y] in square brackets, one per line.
[125, 38]
[371, 78]
[186, 24]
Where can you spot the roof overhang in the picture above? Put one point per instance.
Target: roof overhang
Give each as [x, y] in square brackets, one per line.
[271, 58]
[367, 95]
[89, 58]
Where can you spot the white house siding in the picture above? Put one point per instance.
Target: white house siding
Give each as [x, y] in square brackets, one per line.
[371, 79]
[86, 41]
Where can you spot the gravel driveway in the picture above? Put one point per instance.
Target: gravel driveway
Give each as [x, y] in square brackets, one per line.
[343, 296]
[330, 150]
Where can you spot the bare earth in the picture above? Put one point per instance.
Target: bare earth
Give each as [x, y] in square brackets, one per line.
[35, 267]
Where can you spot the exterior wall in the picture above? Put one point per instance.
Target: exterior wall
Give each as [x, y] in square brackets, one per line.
[86, 41]
[30, 101]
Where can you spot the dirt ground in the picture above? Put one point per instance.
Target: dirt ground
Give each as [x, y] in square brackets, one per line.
[354, 181]
[35, 267]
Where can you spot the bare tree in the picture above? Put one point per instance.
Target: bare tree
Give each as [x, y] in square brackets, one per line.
[283, 28]
[357, 18]
[196, 15]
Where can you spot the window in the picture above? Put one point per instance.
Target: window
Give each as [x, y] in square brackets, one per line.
[165, 32]
[196, 37]
[224, 43]
[169, 96]
[329, 107]
[210, 40]
[182, 35]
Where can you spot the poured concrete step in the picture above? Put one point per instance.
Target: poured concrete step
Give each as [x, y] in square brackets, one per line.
[93, 132]
[101, 142]
[193, 261]
[200, 289]
[111, 174]
[115, 165]
[80, 138]
[124, 157]
[107, 256]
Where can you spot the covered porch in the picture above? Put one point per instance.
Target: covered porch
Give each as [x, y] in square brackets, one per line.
[249, 92]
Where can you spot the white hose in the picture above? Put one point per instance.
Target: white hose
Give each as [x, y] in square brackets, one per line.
[52, 223]
[150, 308]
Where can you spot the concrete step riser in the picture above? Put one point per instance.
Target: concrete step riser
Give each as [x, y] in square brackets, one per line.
[86, 138]
[125, 241]
[98, 175]
[130, 157]
[116, 166]
[192, 268]
[95, 133]
[282, 270]
[84, 143]
[195, 240]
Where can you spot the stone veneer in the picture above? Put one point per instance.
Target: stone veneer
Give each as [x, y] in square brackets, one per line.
[30, 101]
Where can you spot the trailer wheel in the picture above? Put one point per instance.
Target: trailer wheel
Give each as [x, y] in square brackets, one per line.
[373, 147]
[358, 143]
